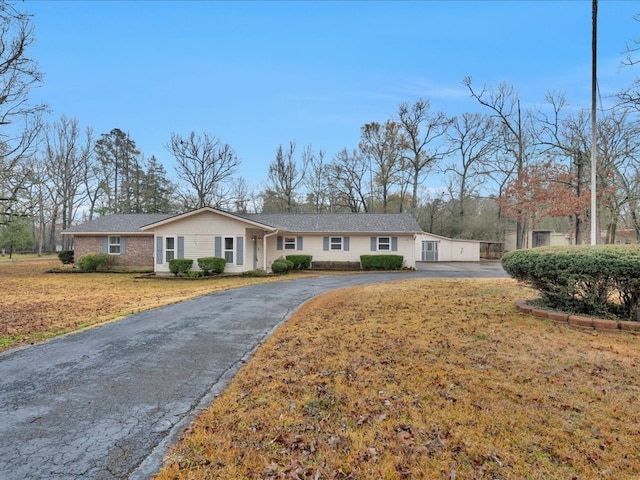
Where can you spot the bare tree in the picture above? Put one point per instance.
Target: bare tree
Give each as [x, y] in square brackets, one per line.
[618, 175]
[67, 156]
[286, 175]
[316, 181]
[472, 141]
[19, 120]
[504, 103]
[348, 176]
[421, 130]
[205, 164]
[382, 146]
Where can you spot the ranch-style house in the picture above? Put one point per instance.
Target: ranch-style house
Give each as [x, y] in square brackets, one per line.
[254, 241]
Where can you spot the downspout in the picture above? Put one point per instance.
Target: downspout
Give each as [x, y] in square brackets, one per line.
[264, 248]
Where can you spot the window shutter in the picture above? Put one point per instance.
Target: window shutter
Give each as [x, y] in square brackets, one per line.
[180, 247]
[374, 244]
[325, 243]
[279, 241]
[123, 246]
[299, 240]
[240, 251]
[394, 244]
[218, 247]
[345, 243]
[158, 249]
[105, 244]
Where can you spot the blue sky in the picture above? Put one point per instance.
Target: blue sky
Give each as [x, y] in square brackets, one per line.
[260, 74]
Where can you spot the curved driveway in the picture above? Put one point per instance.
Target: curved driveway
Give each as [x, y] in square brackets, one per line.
[106, 403]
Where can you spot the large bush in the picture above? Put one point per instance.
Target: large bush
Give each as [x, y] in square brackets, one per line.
[180, 266]
[595, 280]
[211, 265]
[381, 262]
[300, 262]
[92, 262]
[66, 257]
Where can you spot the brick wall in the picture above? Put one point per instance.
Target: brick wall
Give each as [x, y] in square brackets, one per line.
[138, 251]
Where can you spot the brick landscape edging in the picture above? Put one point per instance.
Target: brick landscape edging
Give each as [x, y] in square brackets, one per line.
[577, 321]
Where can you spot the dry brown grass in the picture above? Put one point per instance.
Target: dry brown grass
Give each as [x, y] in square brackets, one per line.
[434, 379]
[36, 305]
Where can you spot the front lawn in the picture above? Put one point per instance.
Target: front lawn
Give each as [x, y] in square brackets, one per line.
[429, 379]
[35, 305]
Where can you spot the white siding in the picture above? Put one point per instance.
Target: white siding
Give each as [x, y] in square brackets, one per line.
[450, 250]
[208, 225]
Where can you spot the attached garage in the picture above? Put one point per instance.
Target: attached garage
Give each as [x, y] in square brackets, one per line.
[434, 248]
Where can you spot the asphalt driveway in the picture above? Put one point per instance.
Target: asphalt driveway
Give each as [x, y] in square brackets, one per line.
[106, 403]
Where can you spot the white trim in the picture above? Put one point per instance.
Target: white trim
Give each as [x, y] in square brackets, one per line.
[165, 249]
[117, 244]
[388, 244]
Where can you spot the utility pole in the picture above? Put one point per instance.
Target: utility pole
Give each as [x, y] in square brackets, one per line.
[594, 136]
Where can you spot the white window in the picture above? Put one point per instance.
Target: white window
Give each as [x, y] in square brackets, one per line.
[384, 243]
[289, 243]
[169, 249]
[114, 245]
[335, 243]
[228, 249]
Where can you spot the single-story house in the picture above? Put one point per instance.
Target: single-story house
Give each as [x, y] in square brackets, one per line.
[252, 241]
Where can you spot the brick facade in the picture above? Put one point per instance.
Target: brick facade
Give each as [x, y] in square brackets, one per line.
[138, 251]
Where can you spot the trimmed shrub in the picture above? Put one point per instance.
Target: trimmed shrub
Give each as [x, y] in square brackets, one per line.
[254, 273]
[66, 257]
[381, 262]
[179, 266]
[211, 265]
[336, 265]
[594, 280]
[300, 262]
[92, 262]
[281, 265]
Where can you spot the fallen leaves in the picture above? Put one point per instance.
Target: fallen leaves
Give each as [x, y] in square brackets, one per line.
[395, 381]
[35, 305]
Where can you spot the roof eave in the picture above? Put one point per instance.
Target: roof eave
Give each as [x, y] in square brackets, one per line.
[206, 209]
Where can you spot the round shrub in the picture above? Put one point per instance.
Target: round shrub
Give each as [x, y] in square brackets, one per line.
[179, 266]
[209, 265]
[91, 262]
[594, 280]
[281, 265]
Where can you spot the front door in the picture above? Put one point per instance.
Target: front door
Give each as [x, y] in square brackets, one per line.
[429, 251]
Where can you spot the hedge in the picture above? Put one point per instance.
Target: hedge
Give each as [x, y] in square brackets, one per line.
[381, 262]
[595, 280]
[180, 265]
[300, 262]
[209, 265]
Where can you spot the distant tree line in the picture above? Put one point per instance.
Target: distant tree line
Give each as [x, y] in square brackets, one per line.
[505, 166]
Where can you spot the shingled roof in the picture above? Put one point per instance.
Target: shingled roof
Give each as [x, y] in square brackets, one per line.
[118, 223]
[290, 222]
[338, 222]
